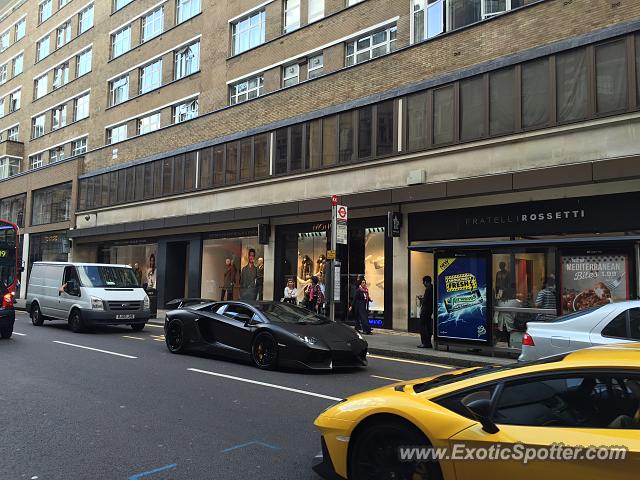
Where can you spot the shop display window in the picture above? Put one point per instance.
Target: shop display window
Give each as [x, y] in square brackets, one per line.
[422, 263]
[232, 269]
[142, 258]
[374, 266]
[312, 259]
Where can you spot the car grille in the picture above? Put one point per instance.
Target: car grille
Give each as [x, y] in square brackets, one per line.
[124, 305]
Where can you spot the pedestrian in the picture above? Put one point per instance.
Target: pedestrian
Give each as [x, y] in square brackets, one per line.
[313, 297]
[360, 307]
[546, 298]
[426, 313]
[290, 292]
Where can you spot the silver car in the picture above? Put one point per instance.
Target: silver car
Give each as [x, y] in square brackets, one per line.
[611, 323]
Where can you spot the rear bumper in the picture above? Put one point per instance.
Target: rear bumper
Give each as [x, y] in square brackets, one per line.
[322, 464]
[102, 317]
[7, 317]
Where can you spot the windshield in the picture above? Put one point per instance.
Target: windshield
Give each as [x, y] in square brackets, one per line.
[7, 255]
[448, 378]
[102, 276]
[287, 313]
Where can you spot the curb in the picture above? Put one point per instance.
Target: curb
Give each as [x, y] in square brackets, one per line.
[451, 361]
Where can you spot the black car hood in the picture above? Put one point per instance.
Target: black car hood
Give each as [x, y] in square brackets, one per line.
[328, 332]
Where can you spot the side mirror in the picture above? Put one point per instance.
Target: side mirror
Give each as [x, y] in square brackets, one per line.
[481, 409]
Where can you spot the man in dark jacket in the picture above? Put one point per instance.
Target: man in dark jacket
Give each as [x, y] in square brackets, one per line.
[426, 312]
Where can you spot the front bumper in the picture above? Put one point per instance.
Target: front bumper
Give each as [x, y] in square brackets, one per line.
[337, 355]
[323, 465]
[105, 317]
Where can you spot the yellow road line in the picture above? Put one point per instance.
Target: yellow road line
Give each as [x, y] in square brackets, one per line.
[387, 378]
[132, 338]
[415, 362]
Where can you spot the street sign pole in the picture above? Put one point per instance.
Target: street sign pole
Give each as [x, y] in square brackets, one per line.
[334, 227]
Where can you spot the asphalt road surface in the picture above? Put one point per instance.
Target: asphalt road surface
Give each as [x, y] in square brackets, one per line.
[113, 404]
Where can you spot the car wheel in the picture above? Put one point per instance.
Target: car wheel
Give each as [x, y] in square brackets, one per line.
[6, 332]
[36, 315]
[138, 327]
[375, 453]
[174, 337]
[264, 351]
[75, 322]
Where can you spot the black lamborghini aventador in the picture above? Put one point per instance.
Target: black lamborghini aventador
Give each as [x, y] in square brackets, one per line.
[270, 334]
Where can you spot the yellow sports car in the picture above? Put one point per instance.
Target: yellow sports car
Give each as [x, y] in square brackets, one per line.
[575, 416]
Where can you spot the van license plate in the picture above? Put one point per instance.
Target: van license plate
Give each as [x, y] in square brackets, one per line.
[129, 316]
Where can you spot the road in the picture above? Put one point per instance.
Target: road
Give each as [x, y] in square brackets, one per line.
[114, 404]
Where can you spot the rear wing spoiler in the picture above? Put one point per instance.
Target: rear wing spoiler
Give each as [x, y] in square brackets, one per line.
[186, 302]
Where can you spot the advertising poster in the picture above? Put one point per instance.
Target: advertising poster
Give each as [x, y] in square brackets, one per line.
[588, 281]
[462, 312]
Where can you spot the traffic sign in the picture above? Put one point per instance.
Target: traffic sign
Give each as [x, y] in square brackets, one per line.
[334, 200]
[342, 212]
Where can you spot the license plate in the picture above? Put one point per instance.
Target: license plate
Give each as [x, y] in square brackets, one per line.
[128, 316]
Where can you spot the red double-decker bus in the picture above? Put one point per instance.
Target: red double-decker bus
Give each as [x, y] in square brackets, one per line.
[9, 271]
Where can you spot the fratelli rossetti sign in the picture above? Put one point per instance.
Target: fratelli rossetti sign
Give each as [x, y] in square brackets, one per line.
[607, 213]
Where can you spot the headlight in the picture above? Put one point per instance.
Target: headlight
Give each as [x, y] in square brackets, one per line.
[96, 303]
[307, 339]
[146, 302]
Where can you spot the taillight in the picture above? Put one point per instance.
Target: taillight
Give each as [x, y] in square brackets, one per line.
[527, 341]
[7, 300]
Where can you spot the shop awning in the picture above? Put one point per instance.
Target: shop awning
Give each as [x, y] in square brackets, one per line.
[549, 242]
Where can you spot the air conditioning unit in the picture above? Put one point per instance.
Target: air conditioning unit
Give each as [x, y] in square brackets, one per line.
[417, 177]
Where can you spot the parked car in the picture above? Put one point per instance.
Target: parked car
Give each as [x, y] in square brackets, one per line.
[589, 397]
[86, 294]
[610, 323]
[270, 334]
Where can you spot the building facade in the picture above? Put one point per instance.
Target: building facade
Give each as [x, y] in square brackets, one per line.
[167, 133]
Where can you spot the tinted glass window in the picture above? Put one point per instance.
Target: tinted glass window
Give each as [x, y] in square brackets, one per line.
[329, 140]
[178, 174]
[206, 168]
[365, 131]
[190, 171]
[617, 328]
[571, 85]
[638, 69]
[417, 121]
[502, 107]
[231, 174]
[261, 154]
[296, 147]
[314, 144]
[245, 160]
[634, 323]
[443, 115]
[535, 93]
[346, 137]
[280, 162]
[232, 311]
[611, 77]
[287, 313]
[472, 113]
[385, 128]
[218, 164]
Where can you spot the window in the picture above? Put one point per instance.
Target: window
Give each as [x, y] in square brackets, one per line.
[121, 42]
[63, 34]
[4, 41]
[385, 130]
[119, 90]
[611, 77]
[3, 73]
[249, 32]
[78, 147]
[117, 134]
[41, 85]
[443, 115]
[83, 63]
[345, 137]
[634, 323]
[494, 7]
[536, 93]
[35, 161]
[316, 10]
[472, 108]
[118, 4]
[56, 154]
[150, 76]
[295, 162]
[62, 3]
[51, 205]
[290, 75]
[365, 132]
[43, 48]
[316, 66]
[185, 111]
[417, 121]
[187, 61]
[14, 101]
[8, 168]
[153, 24]
[291, 15]
[149, 123]
[281, 152]
[37, 126]
[428, 19]
[21, 29]
[617, 328]
[12, 209]
[261, 155]
[371, 46]
[502, 93]
[61, 75]
[247, 90]
[85, 21]
[187, 9]
[2, 102]
[18, 64]
[13, 133]
[81, 107]
[571, 85]
[59, 117]
[45, 10]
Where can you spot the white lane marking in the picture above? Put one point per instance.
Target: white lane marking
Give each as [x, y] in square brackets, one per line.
[415, 362]
[20, 334]
[94, 349]
[154, 326]
[132, 338]
[270, 385]
[388, 378]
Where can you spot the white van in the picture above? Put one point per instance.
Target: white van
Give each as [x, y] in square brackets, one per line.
[86, 294]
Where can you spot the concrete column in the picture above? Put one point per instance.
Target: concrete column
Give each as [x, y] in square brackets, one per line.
[269, 267]
[401, 279]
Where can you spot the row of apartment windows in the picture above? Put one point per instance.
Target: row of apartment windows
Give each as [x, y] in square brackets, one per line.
[58, 153]
[572, 86]
[61, 74]
[63, 33]
[19, 30]
[15, 66]
[152, 24]
[58, 116]
[148, 123]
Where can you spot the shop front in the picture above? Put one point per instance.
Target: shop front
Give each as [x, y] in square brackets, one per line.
[495, 268]
[48, 247]
[302, 252]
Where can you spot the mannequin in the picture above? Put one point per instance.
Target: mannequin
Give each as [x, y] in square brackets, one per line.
[249, 277]
[306, 267]
[260, 277]
[229, 280]
[320, 265]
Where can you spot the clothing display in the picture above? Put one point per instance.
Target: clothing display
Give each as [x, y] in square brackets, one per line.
[229, 281]
[306, 267]
[248, 282]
